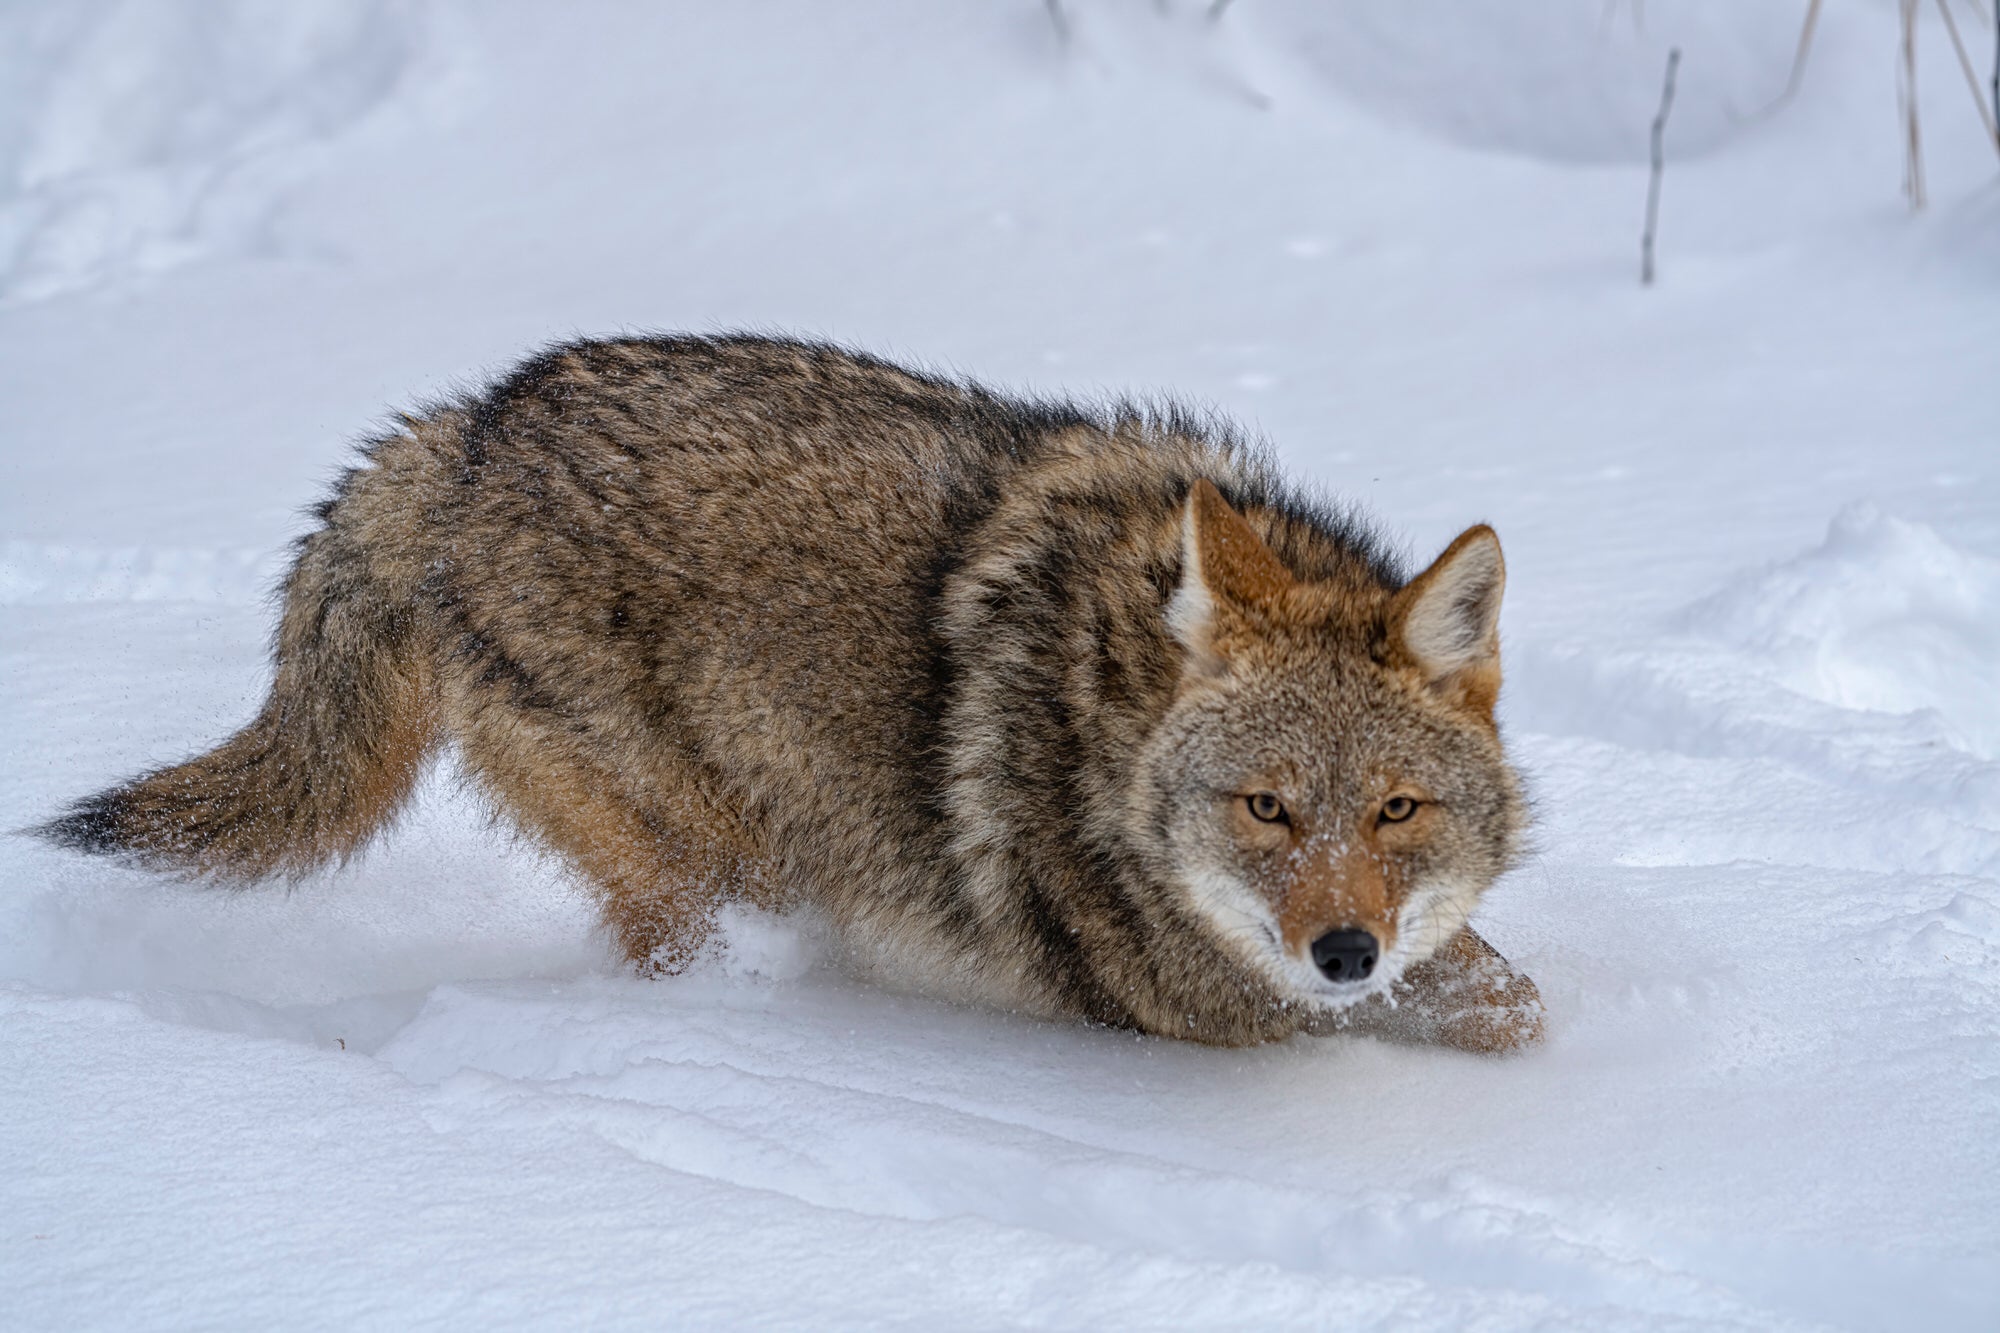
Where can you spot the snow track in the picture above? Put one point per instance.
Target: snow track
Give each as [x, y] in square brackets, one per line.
[1753, 632]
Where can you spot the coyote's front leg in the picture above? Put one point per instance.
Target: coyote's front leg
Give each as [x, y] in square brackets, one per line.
[1465, 996]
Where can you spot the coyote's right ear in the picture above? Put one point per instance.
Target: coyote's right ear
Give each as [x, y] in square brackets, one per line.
[1225, 567]
[1447, 620]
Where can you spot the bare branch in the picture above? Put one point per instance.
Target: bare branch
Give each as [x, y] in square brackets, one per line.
[1058, 20]
[1971, 79]
[1805, 49]
[1906, 91]
[1799, 58]
[1659, 169]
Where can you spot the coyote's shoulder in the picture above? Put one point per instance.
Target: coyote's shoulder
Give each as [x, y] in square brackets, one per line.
[1078, 710]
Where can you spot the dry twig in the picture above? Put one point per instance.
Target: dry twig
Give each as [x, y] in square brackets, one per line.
[1659, 169]
[1799, 58]
[1906, 94]
[1986, 113]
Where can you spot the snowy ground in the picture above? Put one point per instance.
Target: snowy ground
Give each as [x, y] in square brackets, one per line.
[1753, 526]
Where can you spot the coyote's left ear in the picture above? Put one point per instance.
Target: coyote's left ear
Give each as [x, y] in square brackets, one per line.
[1447, 619]
[1226, 571]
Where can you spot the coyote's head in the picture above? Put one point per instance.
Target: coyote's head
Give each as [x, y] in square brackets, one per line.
[1328, 780]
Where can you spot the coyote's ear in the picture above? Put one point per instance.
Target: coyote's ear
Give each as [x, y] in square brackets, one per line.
[1225, 566]
[1448, 618]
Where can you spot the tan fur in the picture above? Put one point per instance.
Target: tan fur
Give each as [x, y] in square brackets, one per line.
[1337, 886]
[1472, 676]
[986, 681]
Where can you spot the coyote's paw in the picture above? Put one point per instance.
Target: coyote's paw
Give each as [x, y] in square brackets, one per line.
[1468, 997]
[1508, 1017]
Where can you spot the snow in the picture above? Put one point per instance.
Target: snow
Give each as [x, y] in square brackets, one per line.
[139, 136]
[1884, 617]
[1752, 519]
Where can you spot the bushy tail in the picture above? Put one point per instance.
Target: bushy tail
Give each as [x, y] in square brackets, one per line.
[329, 759]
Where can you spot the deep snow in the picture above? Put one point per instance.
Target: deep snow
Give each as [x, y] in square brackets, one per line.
[1753, 634]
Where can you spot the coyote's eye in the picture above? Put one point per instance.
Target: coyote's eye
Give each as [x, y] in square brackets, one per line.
[1268, 809]
[1397, 809]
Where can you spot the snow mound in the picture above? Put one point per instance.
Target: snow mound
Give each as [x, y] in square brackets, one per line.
[137, 135]
[1849, 681]
[1566, 80]
[1885, 637]
[1885, 616]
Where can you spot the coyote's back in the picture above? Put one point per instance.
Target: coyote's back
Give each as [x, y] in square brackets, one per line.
[742, 617]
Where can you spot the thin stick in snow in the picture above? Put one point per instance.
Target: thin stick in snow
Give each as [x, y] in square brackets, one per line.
[1805, 49]
[1971, 79]
[1906, 91]
[1799, 58]
[1659, 168]
[1058, 20]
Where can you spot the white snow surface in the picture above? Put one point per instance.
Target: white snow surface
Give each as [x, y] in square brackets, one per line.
[1752, 518]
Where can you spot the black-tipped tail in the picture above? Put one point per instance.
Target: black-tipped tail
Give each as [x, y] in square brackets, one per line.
[95, 825]
[327, 761]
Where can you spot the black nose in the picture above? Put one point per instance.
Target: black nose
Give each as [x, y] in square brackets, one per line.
[1345, 955]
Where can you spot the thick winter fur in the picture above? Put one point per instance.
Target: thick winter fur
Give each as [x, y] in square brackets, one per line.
[1005, 688]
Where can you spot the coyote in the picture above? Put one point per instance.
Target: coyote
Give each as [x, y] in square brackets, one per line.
[1078, 711]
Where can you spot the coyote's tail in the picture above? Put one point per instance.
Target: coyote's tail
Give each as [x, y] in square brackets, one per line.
[331, 756]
